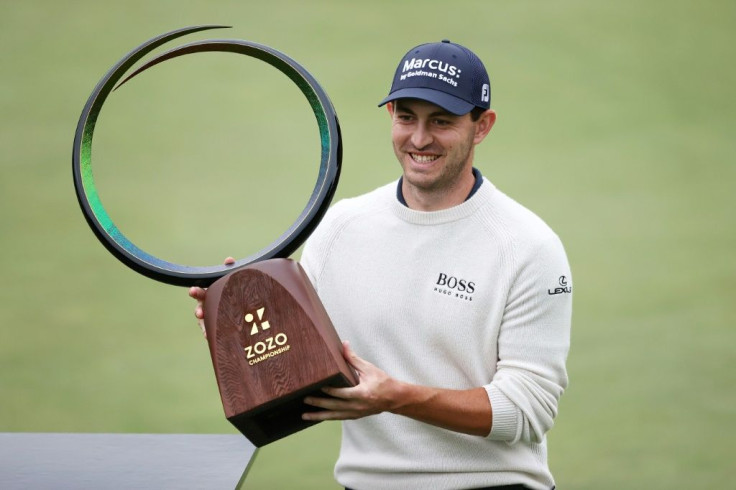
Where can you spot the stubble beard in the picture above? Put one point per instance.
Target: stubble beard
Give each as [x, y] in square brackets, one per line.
[454, 167]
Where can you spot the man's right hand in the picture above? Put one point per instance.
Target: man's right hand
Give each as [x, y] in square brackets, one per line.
[199, 295]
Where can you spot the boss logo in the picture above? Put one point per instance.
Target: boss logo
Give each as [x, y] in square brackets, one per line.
[454, 286]
[454, 283]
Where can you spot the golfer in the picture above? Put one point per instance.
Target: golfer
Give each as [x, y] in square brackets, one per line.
[454, 300]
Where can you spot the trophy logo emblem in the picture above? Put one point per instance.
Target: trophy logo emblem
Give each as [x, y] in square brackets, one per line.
[249, 319]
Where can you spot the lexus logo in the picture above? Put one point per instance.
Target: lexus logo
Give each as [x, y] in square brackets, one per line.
[564, 288]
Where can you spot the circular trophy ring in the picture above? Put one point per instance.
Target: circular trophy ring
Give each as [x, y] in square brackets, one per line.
[182, 275]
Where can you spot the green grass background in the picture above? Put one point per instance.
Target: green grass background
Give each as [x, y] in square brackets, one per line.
[616, 125]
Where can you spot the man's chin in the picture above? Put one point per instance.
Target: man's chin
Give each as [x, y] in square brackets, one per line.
[420, 180]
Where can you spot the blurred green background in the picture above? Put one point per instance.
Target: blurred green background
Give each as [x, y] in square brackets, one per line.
[616, 124]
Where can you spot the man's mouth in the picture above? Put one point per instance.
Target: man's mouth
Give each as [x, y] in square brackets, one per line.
[423, 158]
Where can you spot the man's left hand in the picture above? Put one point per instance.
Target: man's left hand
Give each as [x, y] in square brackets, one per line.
[375, 392]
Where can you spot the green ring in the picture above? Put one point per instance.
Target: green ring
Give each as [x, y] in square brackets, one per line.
[139, 260]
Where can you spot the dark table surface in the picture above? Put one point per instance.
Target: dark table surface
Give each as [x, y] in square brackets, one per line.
[121, 461]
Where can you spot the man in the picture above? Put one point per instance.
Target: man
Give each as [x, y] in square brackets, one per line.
[454, 300]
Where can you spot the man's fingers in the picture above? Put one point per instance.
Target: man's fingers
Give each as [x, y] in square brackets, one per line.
[332, 409]
[329, 415]
[229, 261]
[353, 359]
[201, 325]
[333, 404]
[341, 393]
[197, 293]
[320, 402]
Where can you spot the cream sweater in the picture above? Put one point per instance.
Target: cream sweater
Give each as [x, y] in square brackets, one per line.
[475, 295]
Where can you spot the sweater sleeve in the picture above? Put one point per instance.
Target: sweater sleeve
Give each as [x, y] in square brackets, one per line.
[533, 344]
[311, 260]
[317, 247]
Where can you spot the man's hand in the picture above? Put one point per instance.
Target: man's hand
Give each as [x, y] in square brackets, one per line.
[466, 411]
[376, 392]
[199, 294]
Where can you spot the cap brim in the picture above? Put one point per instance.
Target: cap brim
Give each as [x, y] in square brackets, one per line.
[448, 102]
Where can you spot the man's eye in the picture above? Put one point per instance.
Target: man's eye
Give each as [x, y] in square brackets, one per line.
[441, 122]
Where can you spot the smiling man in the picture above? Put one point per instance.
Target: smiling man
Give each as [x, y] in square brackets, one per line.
[448, 292]
[435, 149]
[440, 282]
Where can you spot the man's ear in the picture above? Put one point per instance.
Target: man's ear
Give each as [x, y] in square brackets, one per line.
[484, 125]
[390, 108]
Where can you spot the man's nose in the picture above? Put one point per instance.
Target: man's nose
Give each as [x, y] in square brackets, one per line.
[421, 137]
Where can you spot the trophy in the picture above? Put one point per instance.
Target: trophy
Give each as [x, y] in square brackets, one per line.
[270, 338]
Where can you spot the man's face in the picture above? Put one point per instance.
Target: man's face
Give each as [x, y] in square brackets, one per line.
[433, 146]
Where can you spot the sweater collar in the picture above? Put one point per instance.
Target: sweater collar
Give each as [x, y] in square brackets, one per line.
[476, 185]
[482, 193]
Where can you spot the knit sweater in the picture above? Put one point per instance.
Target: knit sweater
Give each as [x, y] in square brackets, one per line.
[475, 295]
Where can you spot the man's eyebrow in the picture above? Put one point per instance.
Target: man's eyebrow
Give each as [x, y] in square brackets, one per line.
[442, 113]
[402, 108]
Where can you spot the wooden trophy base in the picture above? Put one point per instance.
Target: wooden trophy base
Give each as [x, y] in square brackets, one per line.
[272, 344]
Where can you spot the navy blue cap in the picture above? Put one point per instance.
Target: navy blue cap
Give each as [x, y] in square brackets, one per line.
[446, 74]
